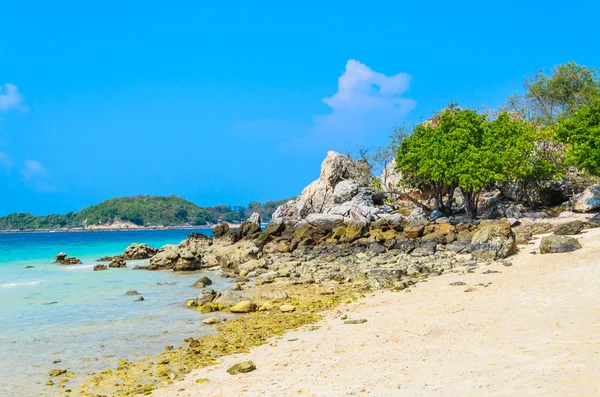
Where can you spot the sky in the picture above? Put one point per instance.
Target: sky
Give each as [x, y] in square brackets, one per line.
[240, 101]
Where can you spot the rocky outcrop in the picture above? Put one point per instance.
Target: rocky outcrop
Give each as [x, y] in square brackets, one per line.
[493, 240]
[229, 257]
[63, 259]
[340, 190]
[139, 251]
[558, 244]
[186, 256]
[589, 200]
[117, 262]
[100, 267]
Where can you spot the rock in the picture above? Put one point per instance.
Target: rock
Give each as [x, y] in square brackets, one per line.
[254, 218]
[277, 247]
[249, 228]
[493, 240]
[359, 321]
[230, 256]
[104, 259]
[386, 277]
[228, 299]
[318, 197]
[141, 298]
[203, 282]
[132, 292]
[244, 307]
[186, 256]
[569, 228]
[274, 295]
[29, 267]
[589, 200]
[139, 251]
[207, 296]
[98, 268]
[345, 191]
[377, 248]
[558, 244]
[242, 368]
[211, 320]
[287, 308]
[251, 265]
[220, 230]
[57, 372]
[117, 262]
[326, 222]
[62, 259]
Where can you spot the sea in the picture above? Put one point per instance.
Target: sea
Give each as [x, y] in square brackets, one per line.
[74, 318]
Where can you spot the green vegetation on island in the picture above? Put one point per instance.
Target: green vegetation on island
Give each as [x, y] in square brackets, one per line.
[141, 211]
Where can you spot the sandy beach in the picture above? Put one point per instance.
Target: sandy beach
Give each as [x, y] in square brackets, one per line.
[530, 329]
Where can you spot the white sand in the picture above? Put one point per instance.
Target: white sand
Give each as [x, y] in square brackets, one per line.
[534, 331]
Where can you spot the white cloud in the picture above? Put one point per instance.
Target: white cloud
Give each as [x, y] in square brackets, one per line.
[10, 98]
[5, 162]
[33, 169]
[35, 176]
[364, 110]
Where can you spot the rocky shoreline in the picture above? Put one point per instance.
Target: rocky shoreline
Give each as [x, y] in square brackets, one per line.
[336, 242]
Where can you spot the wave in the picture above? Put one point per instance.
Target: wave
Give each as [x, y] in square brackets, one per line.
[13, 285]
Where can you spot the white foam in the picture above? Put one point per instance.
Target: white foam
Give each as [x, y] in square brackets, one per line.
[13, 285]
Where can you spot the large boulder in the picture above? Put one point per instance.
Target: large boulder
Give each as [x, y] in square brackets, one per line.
[186, 256]
[117, 261]
[325, 222]
[558, 244]
[139, 251]
[493, 240]
[589, 200]
[229, 257]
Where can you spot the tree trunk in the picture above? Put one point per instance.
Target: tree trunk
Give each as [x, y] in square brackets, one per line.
[470, 203]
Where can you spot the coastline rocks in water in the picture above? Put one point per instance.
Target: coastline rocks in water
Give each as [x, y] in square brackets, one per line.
[139, 251]
[132, 292]
[98, 268]
[104, 259]
[241, 368]
[244, 307]
[186, 256]
[203, 282]
[29, 267]
[588, 200]
[569, 228]
[117, 262]
[493, 240]
[558, 244]
[63, 259]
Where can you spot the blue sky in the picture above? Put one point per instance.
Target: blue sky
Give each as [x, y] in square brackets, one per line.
[240, 101]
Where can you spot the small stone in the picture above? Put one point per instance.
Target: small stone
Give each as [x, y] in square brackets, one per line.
[244, 307]
[211, 320]
[29, 267]
[287, 308]
[457, 284]
[132, 292]
[49, 383]
[56, 361]
[57, 372]
[141, 298]
[242, 368]
[471, 289]
[359, 321]
[201, 380]
[344, 317]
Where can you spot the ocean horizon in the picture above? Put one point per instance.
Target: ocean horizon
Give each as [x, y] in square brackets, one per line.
[73, 318]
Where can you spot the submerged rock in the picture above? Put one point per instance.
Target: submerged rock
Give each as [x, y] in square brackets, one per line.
[558, 244]
[132, 292]
[63, 259]
[98, 268]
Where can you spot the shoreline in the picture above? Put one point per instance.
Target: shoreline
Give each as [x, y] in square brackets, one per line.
[123, 229]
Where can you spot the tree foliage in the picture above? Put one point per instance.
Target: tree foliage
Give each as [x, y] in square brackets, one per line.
[581, 134]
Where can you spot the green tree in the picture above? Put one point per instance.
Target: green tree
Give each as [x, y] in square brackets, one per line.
[581, 134]
[548, 98]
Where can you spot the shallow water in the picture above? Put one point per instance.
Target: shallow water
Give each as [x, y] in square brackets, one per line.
[81, 317]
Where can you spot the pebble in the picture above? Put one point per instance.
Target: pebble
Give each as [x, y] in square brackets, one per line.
[359, 321]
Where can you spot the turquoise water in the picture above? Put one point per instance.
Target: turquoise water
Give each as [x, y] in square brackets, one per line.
[81, 317]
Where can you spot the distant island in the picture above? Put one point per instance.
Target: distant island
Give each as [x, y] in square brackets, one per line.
[139, 212]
